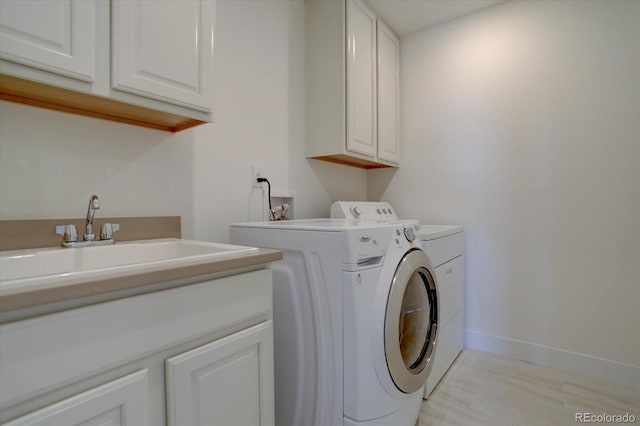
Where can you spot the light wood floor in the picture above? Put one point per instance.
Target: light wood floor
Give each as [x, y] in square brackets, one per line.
[486, 389]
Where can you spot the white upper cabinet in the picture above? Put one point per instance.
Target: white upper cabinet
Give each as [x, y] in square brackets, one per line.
[164, 50]
[352, 62]
[361, 79]
[142, 62]
[388, 94]
[56, 35]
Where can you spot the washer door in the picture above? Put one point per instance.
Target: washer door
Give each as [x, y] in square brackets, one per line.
[411, 322]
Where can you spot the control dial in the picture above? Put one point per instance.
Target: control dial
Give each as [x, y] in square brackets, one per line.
[355, 211]
[409, 234]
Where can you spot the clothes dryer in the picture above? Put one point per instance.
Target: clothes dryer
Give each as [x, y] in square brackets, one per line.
[444, 244]
[355, 319]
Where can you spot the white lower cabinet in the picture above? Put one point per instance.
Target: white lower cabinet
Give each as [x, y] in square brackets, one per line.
[120, 402]
[224, 382]
[198, 354]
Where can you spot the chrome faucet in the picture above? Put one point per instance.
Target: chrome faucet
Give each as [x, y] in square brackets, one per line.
[70, 235]
[94, 204]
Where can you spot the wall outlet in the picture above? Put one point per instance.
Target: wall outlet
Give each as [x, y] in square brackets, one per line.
[256, 172]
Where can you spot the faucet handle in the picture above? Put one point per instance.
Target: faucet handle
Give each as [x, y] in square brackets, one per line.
[108, 229]
[68, 232]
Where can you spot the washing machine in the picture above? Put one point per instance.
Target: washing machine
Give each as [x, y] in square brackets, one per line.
[444, 245]
[355, 319]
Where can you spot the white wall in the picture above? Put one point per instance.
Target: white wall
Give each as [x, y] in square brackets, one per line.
[522, 123]
[51, 162]
[260, 120]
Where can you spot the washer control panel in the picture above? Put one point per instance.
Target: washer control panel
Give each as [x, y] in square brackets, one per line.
[363, 210]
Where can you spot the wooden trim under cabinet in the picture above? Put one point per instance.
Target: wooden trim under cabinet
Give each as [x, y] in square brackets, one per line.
[37, 233]
[352, 161]
[15, 89]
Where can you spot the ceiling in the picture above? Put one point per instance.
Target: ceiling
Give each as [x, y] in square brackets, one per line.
[407, 16]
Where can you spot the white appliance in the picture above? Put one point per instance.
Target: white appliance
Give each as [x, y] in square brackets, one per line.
[355, 319]
[444, 245]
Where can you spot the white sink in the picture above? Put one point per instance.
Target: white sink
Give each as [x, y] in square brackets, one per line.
[65, 265]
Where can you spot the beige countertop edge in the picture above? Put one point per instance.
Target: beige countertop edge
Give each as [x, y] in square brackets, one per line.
[37, 296]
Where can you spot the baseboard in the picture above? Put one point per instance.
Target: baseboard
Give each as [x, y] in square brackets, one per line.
[598, 368]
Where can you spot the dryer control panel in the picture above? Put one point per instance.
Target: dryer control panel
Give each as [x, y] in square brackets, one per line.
[363, 210]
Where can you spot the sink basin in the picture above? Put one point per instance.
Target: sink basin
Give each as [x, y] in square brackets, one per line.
[53, 265]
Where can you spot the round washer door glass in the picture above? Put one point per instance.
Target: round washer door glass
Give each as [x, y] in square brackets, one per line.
[411, 322]
[414, 321]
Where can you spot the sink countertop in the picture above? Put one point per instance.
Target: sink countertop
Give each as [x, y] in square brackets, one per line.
[139, 277]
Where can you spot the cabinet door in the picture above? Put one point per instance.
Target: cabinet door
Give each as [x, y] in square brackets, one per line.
[361, 79]
[121, 402]
[226, 382]
[388, 92]
[56, 35]
[164, 50]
